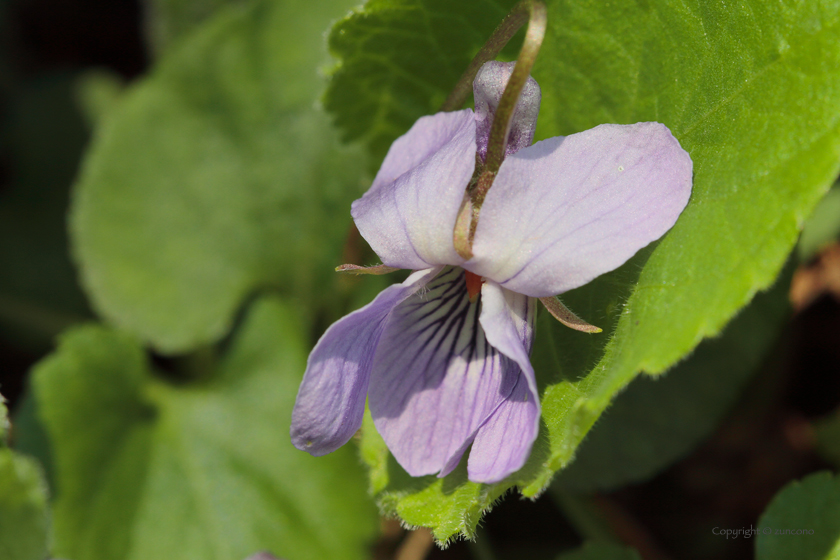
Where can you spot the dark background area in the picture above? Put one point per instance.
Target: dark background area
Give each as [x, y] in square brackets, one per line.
[767, 440]
[45, 47]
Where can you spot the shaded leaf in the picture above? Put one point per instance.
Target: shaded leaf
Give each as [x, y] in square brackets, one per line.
[656, 421]
[4, 422]
[601, 551]
[23, 503]
[819, 276]
[827, 432]
[30, 436]
[168, 20]
[823, 226]
[147, 469]
[23, 508]
[97, 92]
[215, 177]
[802, 521]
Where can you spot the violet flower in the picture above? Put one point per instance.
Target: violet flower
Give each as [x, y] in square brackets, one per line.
[444, 357]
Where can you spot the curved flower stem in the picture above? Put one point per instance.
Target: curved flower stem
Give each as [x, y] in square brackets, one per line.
[534, 12]
[521, 13]
[507, 104]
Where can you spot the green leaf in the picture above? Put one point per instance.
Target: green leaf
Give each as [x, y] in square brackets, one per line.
[750, 91]
[601, 551]
[23, 502]
[398, 61]
[97, 92]
[23, 508]
[4, 422]
[823, 227]
[215, 177]
[30, 436]
[148, 469]
[655, 422]
[802, 521]
[827, 432]
[168, 20]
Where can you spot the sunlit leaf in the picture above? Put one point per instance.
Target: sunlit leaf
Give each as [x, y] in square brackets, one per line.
[750, 90]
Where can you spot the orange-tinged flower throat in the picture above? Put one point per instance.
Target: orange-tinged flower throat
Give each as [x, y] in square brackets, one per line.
[474, 282]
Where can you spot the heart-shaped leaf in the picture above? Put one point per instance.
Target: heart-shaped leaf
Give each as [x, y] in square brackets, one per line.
[750, 91]
[202, 471]
[216, 176]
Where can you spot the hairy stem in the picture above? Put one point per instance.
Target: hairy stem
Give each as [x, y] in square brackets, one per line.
[534, 13]
[518, 16]
[524, 63]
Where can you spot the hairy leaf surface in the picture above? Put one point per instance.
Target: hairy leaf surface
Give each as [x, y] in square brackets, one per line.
[749, 90]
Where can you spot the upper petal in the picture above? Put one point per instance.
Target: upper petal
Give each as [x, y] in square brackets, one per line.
[409, 213]
[435, 378]
[331, 399]
[488, 87]
[503, 443]
[566, 210]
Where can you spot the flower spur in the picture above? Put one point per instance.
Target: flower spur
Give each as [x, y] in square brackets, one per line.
[443, 358]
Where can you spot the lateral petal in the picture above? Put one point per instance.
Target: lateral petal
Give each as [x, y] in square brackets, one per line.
[435, 378]
[409, 212]
[503, 443]
[566, 210]
[331, 399]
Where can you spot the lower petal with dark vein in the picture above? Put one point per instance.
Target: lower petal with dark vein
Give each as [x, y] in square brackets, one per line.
[435, 379]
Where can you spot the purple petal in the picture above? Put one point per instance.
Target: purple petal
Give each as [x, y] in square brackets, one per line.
[488, 87]
[331, 398]
[409, 213]
[435, 378]
[504, 442]
[564, 211]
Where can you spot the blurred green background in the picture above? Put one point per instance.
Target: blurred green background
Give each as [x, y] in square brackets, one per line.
[143, 418]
